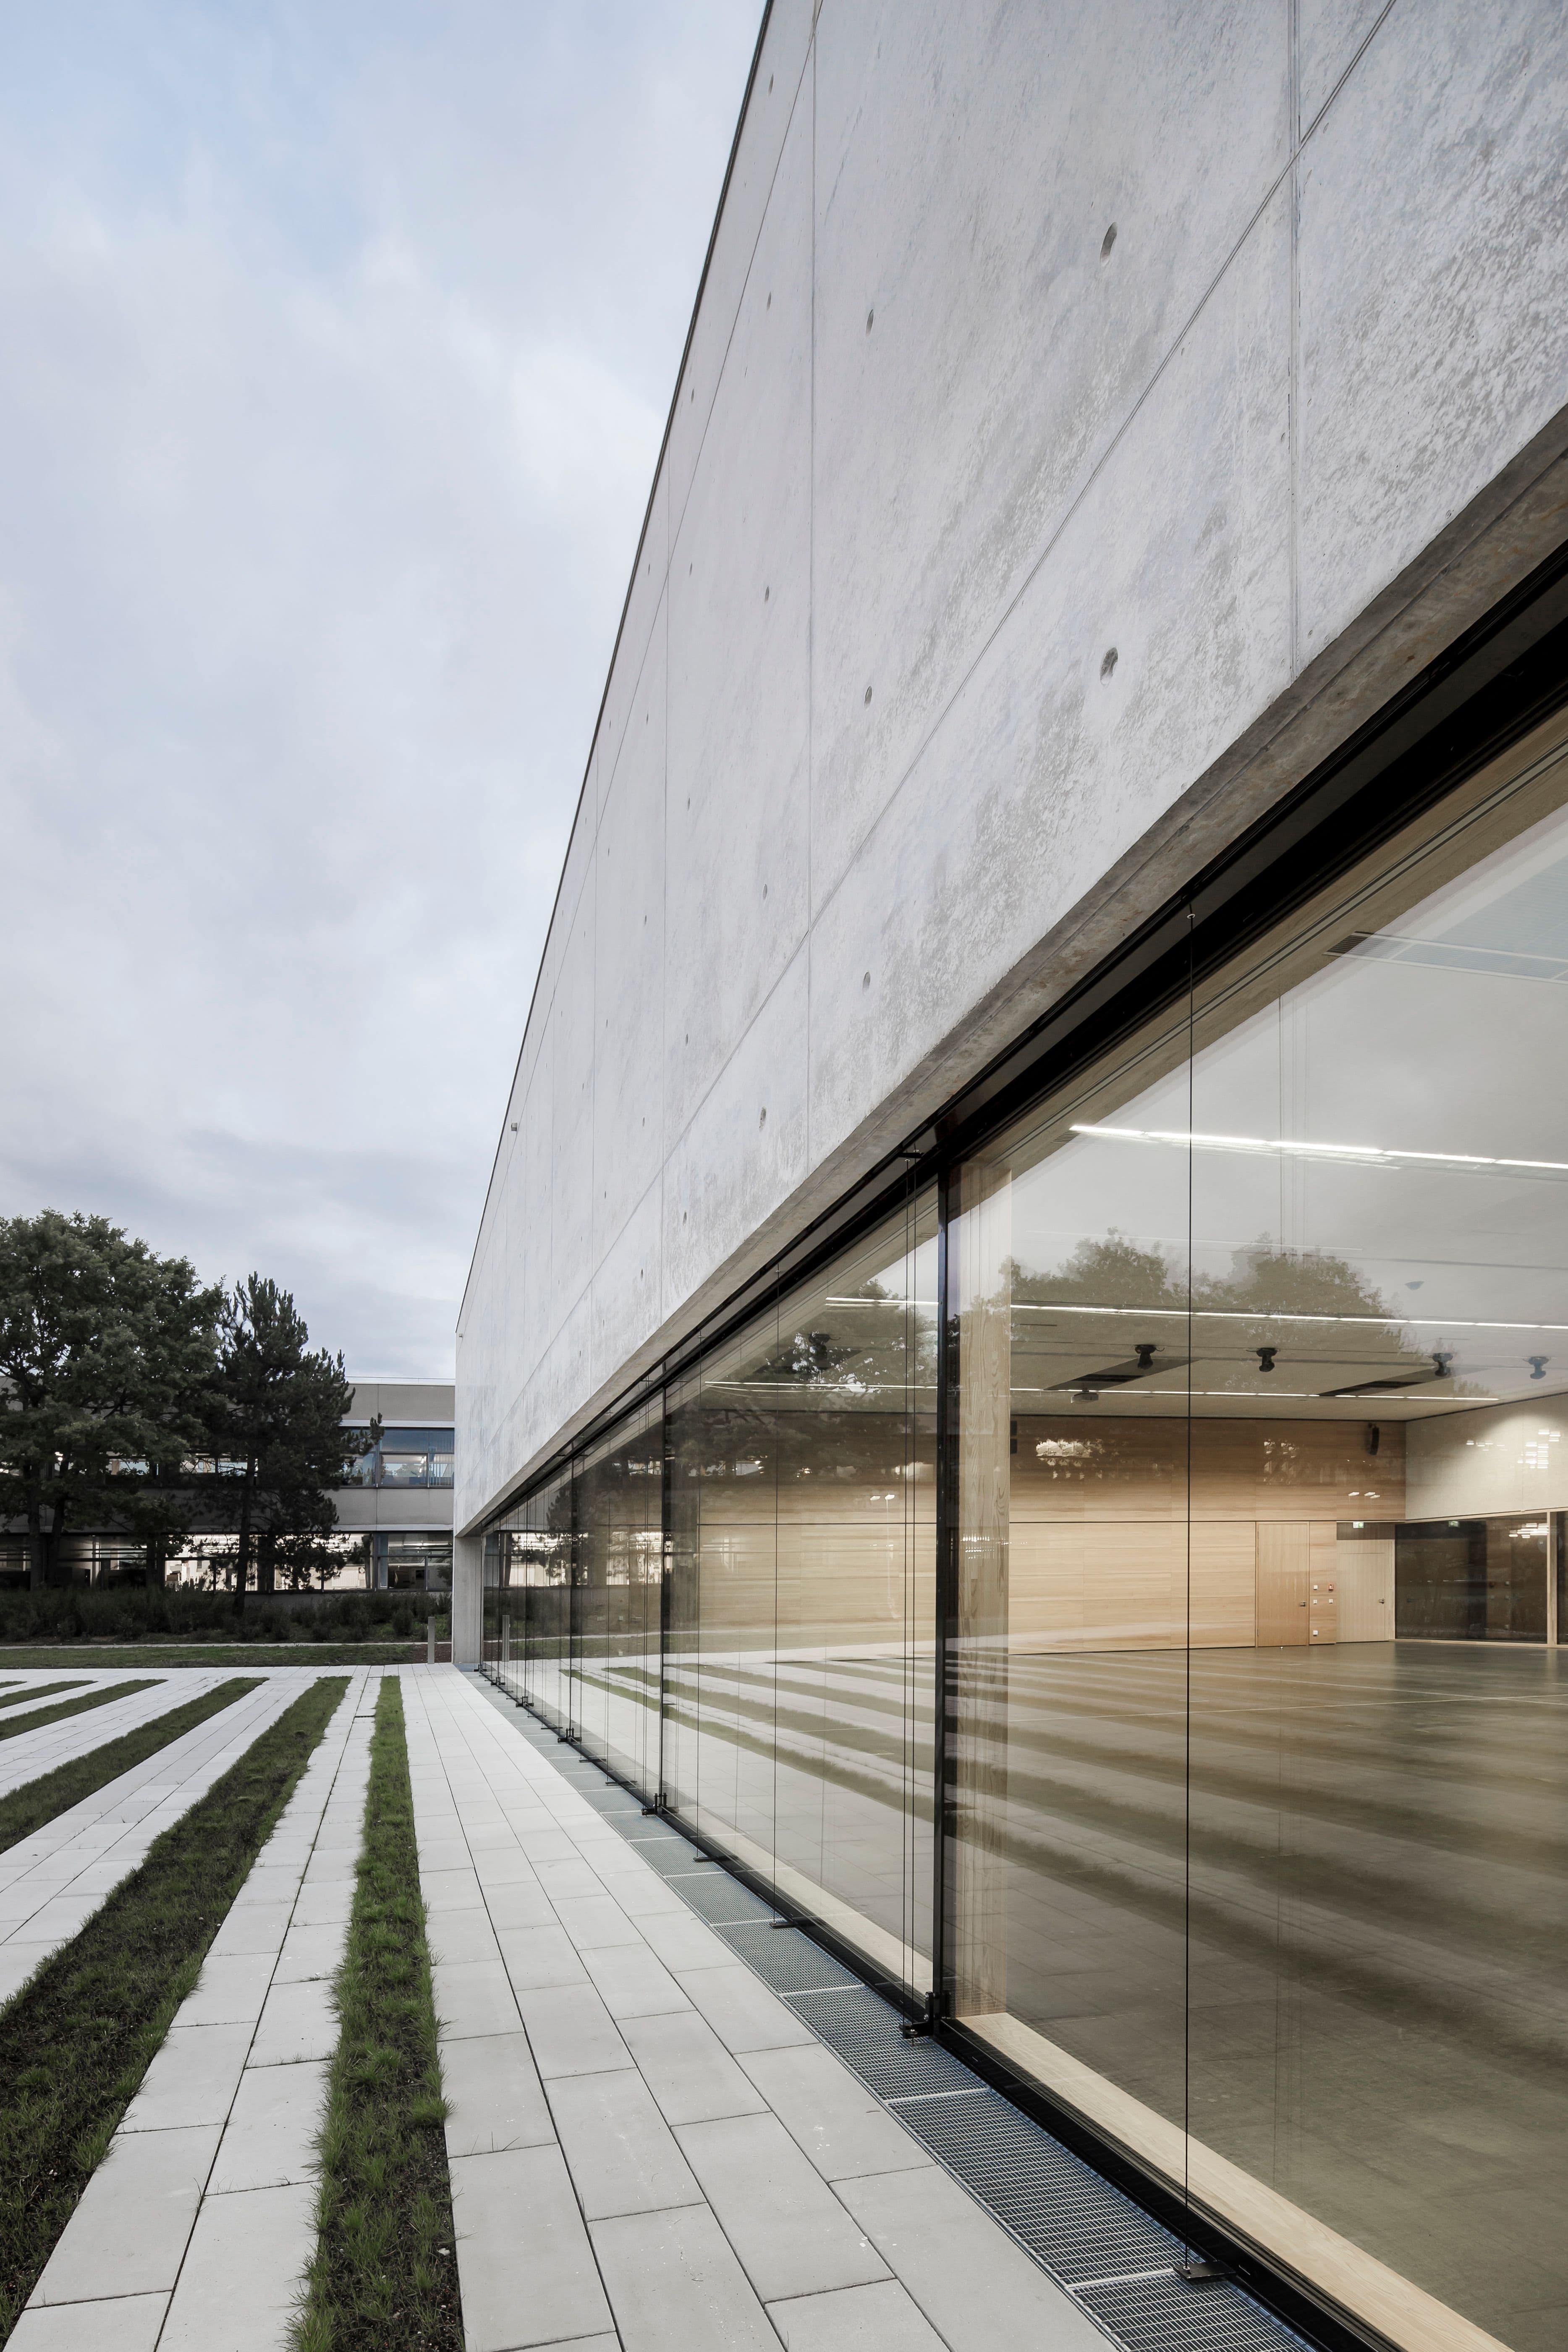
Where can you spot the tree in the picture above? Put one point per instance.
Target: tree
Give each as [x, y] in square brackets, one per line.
[277, 1409]
[106, 1351]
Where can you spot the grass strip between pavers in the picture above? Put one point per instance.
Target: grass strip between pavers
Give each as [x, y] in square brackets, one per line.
[29, 1808]
[14, 1730]
[77, 2039]
[38, 1691]
[386, 2268]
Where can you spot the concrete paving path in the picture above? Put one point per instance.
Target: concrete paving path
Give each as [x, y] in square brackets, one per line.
[53, 1882]
[194, 2232]
[648, 2147]
[36, 1752]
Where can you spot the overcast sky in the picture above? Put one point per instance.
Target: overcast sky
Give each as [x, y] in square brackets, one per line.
[336, 340]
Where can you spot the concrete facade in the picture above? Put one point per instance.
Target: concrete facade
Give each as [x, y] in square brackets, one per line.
[997, 570]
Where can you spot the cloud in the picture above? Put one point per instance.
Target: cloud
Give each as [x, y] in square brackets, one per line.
[336, 348]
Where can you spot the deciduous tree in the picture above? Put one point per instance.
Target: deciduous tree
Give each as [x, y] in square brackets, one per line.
[106, 1355]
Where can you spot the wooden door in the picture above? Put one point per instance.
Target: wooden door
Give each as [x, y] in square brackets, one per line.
[1365, 1580]
[1283, 1554]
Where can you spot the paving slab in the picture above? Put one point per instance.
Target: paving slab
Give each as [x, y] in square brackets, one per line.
[126, 2323]
[270, 2139]
[878, 2318]
[742, 2011]
[129, 2232]
[739, 2185]
[298, 2021]
[676, 2284]
[622, 2155]
[473, 1997]
[239, 2285]
[496, 2098]
[525, 2265]
[841, 2125]
[571, 2031]
[455, 1936]
[537, 1957]
[192, 2080]
[793, 2236]
[687, 2069]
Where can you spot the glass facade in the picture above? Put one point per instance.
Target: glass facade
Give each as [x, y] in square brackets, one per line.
[403, 1560]
[404, 1457]
[1175, 1494]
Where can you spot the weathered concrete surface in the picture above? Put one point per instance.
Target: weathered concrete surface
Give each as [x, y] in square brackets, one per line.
[940, 441]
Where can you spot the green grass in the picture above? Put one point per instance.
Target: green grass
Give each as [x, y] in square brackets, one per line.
[39, 1690]
[385, 2267]
[76, 2041]
[162, 1656]
[37, 1801]
[14, 1730]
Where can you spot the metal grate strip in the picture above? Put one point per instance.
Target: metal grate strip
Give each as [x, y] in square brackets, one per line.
[791, 1963]
[1167, 2314]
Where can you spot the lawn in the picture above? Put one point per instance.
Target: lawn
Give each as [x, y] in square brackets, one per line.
[29, 1808]
[77, 2039]
[13, 1727]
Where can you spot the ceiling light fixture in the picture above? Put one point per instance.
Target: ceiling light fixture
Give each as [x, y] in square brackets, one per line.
[1368, 1155]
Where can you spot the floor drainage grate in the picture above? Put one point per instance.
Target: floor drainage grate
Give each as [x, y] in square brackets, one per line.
[1075, 2222]
[720, 1899]
[1167, 2314]
[1118, 2264]
[789, 1962]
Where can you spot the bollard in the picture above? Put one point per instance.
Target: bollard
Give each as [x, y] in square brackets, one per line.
[429, 1640]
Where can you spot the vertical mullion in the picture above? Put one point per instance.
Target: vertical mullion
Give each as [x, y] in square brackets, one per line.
[665, 1546]
[946, 1523]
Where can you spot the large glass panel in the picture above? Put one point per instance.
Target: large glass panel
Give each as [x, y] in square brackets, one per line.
[1379, 1999]
[1259, 1845]
[798, 1697]
[533, 1600]
[619, 1562]
[1066, 1646]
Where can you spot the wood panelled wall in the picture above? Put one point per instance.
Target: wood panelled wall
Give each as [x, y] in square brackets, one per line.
[1100, 1551]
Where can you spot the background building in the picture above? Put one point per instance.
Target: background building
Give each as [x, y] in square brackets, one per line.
[1013, 1371]
[394, 1514]
[401, 1502]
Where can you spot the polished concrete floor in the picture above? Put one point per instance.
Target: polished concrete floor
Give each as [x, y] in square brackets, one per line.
[1328, 1932]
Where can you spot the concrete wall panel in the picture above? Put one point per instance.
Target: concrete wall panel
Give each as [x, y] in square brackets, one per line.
[1175, 564]
[986, 152]
[745, 1149]
[628, 947]
[629, 687]
[1328, 33]
[1434, 288]
[627, 1285]
[781, 68]
[574, 1022]
[738, 857]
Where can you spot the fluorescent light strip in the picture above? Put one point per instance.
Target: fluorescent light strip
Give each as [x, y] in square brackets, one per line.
[1365, 1155]
[1119, 1395]
[1277, 1314]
